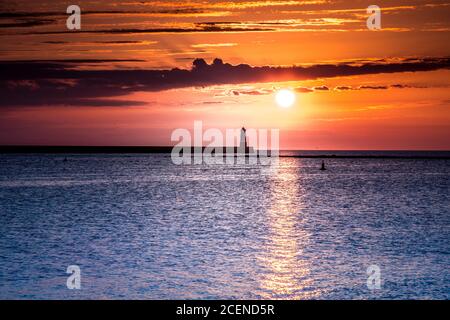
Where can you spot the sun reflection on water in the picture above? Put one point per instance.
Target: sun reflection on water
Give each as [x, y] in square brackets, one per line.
[287, 273]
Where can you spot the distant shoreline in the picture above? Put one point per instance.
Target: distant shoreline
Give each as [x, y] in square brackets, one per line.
[355, 154]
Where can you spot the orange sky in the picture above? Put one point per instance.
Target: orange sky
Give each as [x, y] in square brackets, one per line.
[384, 110]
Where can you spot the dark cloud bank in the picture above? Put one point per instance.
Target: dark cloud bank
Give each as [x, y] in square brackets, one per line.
[37, 83]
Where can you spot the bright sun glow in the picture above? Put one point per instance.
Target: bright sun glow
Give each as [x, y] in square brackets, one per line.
[285, 98]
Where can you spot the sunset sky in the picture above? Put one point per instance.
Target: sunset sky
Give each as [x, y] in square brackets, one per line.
[128, 77]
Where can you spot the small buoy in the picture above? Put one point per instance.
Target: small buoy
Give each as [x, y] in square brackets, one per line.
[65, 160]
[323, 166]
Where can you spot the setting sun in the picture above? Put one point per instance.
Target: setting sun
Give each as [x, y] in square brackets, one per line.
[285, 98]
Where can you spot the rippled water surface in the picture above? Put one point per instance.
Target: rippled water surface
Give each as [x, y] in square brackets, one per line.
[140, 227]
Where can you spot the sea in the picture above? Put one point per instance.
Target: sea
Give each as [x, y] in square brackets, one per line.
[138, 226]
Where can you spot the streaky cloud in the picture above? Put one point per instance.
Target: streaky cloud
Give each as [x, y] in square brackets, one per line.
[34, 83]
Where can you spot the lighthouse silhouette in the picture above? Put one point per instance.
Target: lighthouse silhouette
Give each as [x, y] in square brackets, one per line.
[243, 146]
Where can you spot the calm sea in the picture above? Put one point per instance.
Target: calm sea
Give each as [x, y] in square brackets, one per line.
[140, 227]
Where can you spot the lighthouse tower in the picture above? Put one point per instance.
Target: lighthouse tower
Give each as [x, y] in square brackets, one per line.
[243, 147]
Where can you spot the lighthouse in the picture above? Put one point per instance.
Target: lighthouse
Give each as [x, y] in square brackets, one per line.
[243, 147]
